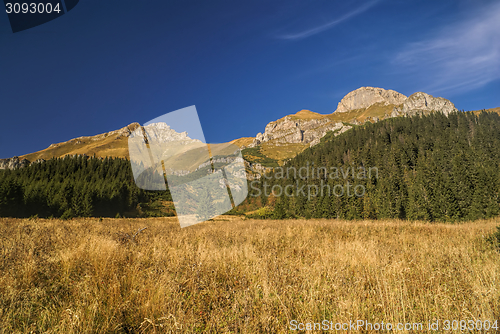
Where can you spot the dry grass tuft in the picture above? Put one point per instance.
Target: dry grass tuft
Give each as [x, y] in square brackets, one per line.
[240, 276]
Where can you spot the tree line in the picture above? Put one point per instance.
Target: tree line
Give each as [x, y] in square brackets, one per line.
[430, 167]
[78, 186]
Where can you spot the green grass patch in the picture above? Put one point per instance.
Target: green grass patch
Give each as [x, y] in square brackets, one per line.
[254, 155]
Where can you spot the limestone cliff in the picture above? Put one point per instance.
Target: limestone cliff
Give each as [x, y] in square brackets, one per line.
[305, 127]
[364, 97]
[13, 163]
[422, 102]
[365, 104]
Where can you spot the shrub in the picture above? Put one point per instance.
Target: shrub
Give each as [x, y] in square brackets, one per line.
[262, 213]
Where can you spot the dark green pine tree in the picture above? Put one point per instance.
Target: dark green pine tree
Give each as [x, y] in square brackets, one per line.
[11, 198]
[279, 211]
[418, 198]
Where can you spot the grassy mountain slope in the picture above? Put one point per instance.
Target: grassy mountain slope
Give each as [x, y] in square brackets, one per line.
[110, 144]
[306, 114]
[243, 141]
[361, 115]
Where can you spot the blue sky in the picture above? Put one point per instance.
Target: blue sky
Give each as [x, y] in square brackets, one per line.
[243, 63]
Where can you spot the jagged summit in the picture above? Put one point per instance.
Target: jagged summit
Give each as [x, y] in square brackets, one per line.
[363, 104]
[422, 102]
[162, 133]
[365, 97]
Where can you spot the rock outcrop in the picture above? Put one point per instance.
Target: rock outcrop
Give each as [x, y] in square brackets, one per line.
[364, 97]
[422, 102]
[13, 163]
[307, 127]
[162, 133]
[296, 130]
[419, 102]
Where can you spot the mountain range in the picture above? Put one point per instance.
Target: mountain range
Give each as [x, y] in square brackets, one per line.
[281, 140]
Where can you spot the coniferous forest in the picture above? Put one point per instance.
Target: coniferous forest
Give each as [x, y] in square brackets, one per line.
[430, 167]
[72, 186]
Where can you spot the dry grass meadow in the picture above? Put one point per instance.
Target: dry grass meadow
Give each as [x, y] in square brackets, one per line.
[240, 276]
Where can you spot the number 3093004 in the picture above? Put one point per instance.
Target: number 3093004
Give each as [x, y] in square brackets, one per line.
[32, 8]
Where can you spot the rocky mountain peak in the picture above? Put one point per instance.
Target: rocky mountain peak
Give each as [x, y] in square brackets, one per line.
[422, 102]
[365, 104]
[162, 133]
[365, 97]
[304, 127]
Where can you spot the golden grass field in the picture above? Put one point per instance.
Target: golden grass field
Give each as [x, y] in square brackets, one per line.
[240, 276]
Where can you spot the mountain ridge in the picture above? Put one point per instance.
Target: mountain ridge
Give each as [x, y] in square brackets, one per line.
[286, 137]
[112, 144]
[282, 139]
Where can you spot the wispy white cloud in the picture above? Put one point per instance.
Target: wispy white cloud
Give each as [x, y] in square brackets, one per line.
[329, 25]
[461, 57]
